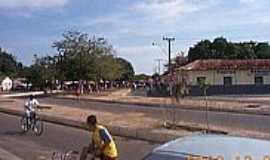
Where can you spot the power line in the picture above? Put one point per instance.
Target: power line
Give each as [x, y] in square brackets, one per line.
[161, 48]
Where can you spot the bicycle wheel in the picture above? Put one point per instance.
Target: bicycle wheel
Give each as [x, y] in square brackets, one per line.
[24, 126]
[57, 156]
[38, 127]
[71, 155]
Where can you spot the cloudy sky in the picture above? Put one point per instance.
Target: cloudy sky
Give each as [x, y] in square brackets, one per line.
[29, 27]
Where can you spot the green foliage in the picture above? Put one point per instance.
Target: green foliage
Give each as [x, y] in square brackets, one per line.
[36, 76]
[41, 73]
[126, 69]
[220, 48]
[203, 85]
[141, 77]
[87, 58]
[108, 68]
[262, 50]
[8, 64]
[79, 58]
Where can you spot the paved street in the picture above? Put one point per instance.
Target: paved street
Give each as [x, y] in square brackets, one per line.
[58, 138]
[234, 120]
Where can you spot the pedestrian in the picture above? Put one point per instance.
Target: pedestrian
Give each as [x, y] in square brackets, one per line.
[102, 145]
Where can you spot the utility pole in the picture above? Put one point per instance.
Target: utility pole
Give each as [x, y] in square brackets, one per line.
[169, 39]
[159, 60]
[61, 69]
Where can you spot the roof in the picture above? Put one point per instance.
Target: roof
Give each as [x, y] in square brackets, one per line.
[215, 145]
[226, 64]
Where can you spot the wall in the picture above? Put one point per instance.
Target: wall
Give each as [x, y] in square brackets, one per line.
[240, 77]
[233, 90]
[243, 82]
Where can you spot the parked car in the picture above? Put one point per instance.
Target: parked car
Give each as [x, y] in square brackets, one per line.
[211, 146]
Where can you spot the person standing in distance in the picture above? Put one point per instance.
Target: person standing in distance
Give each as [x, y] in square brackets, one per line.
[102, 145]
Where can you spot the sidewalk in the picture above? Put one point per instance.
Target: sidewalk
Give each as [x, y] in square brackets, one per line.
[219, 105]
[5, 155]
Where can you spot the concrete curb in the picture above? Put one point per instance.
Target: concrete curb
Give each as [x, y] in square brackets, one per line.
[27, 94]
[131, 133]
[5, 155]
[243, 111]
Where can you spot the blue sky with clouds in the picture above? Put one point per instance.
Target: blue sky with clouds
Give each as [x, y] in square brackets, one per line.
[29, 27]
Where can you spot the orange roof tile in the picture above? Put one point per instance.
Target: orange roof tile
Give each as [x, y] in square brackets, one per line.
[226, 64]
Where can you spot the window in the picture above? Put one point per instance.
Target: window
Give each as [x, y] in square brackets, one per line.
[258, 80]
[227, 81]
[200, 80]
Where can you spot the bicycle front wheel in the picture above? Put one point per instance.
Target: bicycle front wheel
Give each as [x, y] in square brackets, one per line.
[38, 127]
[24, 125]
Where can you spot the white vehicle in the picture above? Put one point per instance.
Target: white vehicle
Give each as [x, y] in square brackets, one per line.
[212, 147]
[6, 84]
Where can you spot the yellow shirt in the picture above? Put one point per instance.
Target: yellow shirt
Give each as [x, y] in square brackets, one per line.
[100, 136]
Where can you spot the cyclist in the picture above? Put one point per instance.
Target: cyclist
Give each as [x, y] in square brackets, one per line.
[30, 105]
[103, 145]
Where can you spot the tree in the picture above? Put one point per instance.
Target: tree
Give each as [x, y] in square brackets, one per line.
[200, 50]
[108, 68]
[8, 64]
[262, 50]
[127, 71]
[35, 77]
[72, 49]
[87, 58]
[220, 48]
[79, 57]
[141, 77]
[247, 51]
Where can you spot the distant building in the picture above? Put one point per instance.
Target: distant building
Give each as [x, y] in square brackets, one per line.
[229, 76]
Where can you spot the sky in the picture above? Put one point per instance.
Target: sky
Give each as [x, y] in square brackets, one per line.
[29, 27]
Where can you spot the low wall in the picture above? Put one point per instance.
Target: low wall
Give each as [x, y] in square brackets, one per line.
[234, 89]
[217, 90]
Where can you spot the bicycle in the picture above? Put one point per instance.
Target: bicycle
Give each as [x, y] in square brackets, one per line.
[34, 123]
[69, 155]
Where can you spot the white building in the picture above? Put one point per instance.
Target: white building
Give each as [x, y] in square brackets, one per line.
[229, 76]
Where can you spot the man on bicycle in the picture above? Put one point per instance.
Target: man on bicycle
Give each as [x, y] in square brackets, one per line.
[103, 145]
[30, 107]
